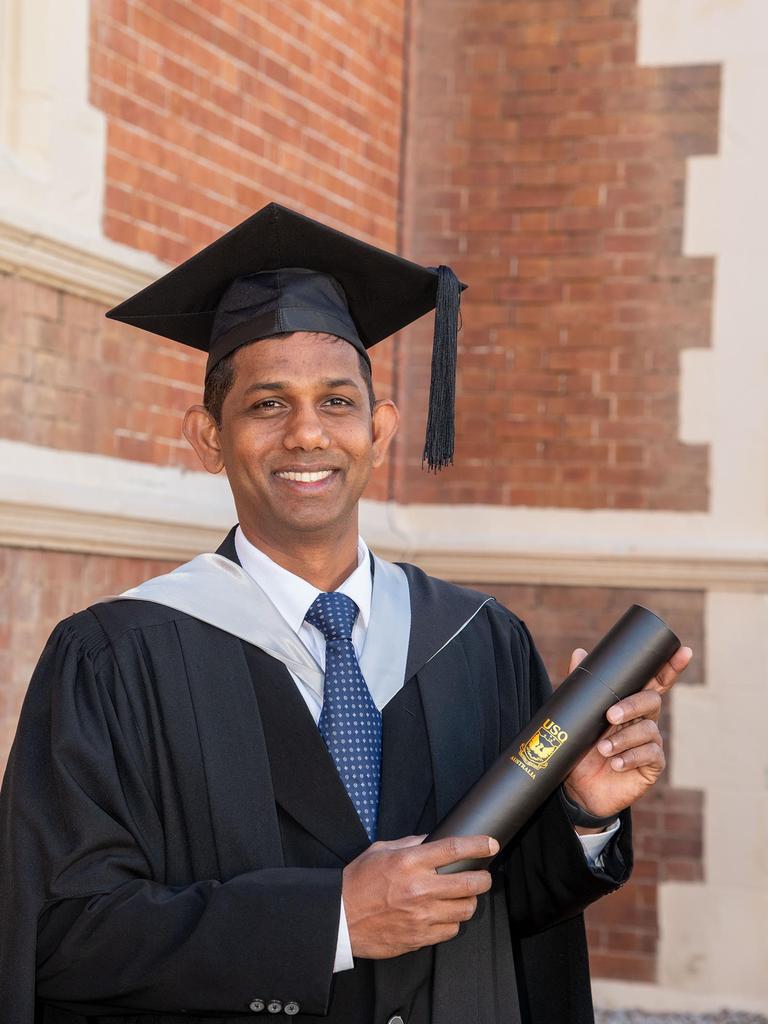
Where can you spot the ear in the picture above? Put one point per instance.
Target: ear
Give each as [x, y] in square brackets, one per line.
[200, 430]
[385, 419]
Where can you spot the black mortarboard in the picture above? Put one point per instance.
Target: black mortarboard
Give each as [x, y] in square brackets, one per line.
[281, 272]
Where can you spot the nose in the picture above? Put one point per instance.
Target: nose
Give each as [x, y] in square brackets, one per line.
[305, 430]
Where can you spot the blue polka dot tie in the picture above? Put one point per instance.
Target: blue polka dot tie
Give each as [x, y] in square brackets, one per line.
[350, 722]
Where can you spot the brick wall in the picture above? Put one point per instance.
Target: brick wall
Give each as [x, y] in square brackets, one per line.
[549, 169]
[70, 379]
[542, 163]
[668, 823]
[37, 589]
[215, 107]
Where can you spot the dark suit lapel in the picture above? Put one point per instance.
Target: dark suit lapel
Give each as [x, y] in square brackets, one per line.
[439, 612]
[406, 771]
[453, 726]
[304, 778]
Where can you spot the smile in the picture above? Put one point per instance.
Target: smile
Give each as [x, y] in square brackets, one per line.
[305, 477]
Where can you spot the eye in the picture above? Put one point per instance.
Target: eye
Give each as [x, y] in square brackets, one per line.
[336, 401]
[266, 405]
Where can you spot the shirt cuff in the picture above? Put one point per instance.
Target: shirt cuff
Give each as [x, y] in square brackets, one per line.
[344, 961]
[594, 845]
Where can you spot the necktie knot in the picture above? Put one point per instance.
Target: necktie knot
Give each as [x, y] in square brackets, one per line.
[334, 615]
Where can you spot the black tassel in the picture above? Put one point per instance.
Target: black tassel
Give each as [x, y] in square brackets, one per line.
[439, 441]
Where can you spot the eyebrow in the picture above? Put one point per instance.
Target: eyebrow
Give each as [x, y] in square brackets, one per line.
[282, 385]
[341, 382]
[266, 385]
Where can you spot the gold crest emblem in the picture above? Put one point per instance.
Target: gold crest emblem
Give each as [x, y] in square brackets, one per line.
[539, 749]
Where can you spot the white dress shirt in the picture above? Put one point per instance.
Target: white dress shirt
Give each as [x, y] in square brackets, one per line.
[293, 596]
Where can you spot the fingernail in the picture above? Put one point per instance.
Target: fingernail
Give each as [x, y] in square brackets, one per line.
[615, 714]
[605, 747]
[493, 846]
[617, 763]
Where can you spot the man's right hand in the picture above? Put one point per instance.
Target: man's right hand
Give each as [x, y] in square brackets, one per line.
[396, 902]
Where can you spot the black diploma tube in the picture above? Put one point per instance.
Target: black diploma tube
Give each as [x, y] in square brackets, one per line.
[561, 731]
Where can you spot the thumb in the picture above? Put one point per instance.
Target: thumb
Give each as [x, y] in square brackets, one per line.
[576, 658]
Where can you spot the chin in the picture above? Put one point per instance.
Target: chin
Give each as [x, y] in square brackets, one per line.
[313, 523]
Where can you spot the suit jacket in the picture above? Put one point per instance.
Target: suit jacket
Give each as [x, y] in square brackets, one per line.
[172, 819]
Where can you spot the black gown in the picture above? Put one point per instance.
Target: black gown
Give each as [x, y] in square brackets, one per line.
[173, 831]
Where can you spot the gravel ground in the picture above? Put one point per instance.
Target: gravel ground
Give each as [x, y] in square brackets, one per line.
[640, 1017]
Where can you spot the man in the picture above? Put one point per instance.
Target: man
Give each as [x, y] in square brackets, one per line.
[217, 797]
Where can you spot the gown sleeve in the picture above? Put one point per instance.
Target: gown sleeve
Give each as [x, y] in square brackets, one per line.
[546, 874]
[77, 827]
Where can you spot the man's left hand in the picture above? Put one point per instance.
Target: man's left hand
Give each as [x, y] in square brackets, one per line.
[629, 757]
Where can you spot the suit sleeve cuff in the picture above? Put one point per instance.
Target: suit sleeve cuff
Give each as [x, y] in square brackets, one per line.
[343, 960]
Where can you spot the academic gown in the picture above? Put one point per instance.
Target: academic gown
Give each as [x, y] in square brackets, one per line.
[174, 829]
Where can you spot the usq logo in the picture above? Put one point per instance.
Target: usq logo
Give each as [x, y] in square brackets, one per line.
[539, 749]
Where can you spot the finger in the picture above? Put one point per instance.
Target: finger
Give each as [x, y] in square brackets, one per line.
[649, 754]
[460, 885]
[635, 735]
[645, 704]
[453, 848]
[426, 887]
[454, 911]
[576, 658]
[442, 933]
[667, 676]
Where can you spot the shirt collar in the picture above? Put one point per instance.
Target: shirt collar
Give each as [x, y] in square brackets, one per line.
[292, 595]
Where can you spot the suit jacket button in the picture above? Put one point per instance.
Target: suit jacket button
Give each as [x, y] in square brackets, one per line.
[397, 1019]
[274, 1006]
[256, 1005]
[291, 1009]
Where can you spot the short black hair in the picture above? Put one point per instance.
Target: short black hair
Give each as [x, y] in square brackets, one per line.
[219, 383]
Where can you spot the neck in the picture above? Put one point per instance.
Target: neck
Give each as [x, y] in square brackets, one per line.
[323, 562]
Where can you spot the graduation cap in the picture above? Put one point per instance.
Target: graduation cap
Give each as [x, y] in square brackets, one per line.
[280, 272]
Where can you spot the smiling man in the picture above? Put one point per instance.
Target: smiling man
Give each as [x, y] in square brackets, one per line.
[216, 800]
[303, 433]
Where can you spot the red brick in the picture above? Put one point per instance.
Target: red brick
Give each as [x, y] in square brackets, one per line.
[204, 52]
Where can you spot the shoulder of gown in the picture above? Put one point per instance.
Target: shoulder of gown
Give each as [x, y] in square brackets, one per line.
[432, 595]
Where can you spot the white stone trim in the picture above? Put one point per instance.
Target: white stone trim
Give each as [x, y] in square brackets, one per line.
[52, 141]
[59, 500]
[701, 233]
[674, 32]
[697, 399]
[722, 399]
[712, 935]
[94, 269]
[34, 526]
[52, 158]
[71, 501]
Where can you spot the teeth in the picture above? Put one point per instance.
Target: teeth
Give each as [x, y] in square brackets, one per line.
[305, 478]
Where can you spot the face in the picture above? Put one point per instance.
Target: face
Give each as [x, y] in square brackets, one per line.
[298, 438]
